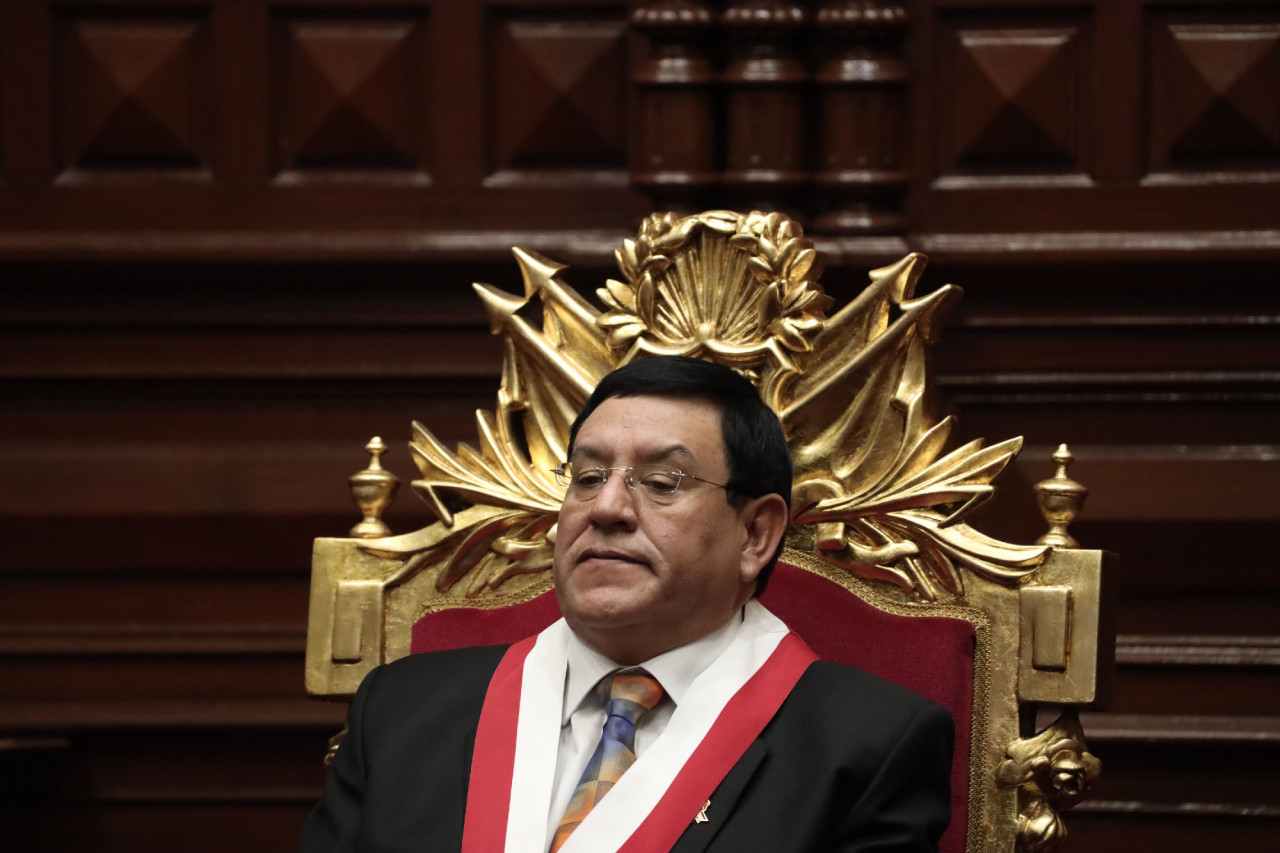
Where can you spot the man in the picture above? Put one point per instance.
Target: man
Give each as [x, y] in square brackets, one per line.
[720, 730]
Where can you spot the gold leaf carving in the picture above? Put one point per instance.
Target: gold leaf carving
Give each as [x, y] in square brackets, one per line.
[874, 479]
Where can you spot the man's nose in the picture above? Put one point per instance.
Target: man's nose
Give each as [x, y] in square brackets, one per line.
[615, 503]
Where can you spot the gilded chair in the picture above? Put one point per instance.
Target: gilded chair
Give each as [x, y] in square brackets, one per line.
[881, 569]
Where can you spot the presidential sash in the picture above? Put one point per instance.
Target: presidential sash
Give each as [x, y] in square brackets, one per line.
[518, 737]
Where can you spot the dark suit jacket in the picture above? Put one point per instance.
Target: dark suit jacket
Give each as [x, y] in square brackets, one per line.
[849, 763]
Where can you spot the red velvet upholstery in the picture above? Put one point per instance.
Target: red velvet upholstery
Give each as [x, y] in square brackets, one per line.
[931, 655]
[464, 627]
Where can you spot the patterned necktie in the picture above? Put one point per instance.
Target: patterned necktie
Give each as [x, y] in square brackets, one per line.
[627, 697]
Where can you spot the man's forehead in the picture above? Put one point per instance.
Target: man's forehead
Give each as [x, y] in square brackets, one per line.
[687, 428]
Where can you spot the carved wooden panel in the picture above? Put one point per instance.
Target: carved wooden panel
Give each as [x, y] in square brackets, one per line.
[351, 92]
[133, 90]
[1014, 99]
[1215, 92]
[557, 96]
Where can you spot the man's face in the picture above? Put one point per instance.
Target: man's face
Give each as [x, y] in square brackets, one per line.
[635, 577]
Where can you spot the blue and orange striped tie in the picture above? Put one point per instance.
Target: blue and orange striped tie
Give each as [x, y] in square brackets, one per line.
[627, 697]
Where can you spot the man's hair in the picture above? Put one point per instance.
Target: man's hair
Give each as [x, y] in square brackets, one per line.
[759, 459]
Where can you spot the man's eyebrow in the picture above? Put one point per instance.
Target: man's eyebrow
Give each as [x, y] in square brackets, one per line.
[674, 452]
[585, 452]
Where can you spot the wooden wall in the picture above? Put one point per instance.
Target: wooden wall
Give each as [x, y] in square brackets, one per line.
[237, 238]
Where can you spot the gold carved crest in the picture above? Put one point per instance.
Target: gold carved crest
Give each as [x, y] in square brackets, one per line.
[876, 491]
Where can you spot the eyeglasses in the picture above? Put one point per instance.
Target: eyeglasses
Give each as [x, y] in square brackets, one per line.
[658, 483]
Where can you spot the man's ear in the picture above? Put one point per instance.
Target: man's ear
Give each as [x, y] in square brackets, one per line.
[765, 521]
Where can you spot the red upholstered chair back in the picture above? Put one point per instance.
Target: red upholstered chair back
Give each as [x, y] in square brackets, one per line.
[931, 655]
[464, 627]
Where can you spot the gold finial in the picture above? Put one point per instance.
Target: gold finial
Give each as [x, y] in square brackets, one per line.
[373, 489]
[1061, 499]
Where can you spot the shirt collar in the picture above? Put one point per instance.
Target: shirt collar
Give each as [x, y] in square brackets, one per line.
[675, 670]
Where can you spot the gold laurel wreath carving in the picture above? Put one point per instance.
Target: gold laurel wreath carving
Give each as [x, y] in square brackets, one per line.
[873, 478]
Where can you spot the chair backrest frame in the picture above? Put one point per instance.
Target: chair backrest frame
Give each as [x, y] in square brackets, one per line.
[879, 504]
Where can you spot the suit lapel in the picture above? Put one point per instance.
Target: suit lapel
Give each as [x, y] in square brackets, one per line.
[698, 836]
[468, 755]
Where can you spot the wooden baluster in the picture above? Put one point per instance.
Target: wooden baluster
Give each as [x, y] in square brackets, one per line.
[673, 157]
[862, 86]
[765, 105]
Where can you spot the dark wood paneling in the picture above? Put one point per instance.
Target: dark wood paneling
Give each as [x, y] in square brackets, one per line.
[238, 240]
[1190, 826]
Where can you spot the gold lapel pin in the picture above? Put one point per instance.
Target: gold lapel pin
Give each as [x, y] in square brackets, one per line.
[702, 813]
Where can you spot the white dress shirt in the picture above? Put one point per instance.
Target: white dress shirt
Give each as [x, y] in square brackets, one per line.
[582, 716]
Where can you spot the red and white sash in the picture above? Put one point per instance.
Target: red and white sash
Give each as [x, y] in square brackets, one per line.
[518, 737]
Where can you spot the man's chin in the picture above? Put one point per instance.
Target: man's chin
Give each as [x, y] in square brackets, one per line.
[620, 634]
[601, 607]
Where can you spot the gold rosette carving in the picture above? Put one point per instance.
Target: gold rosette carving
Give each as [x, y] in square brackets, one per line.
[1052, 772]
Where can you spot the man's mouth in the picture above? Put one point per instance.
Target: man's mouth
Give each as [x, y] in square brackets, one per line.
[608, 555]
